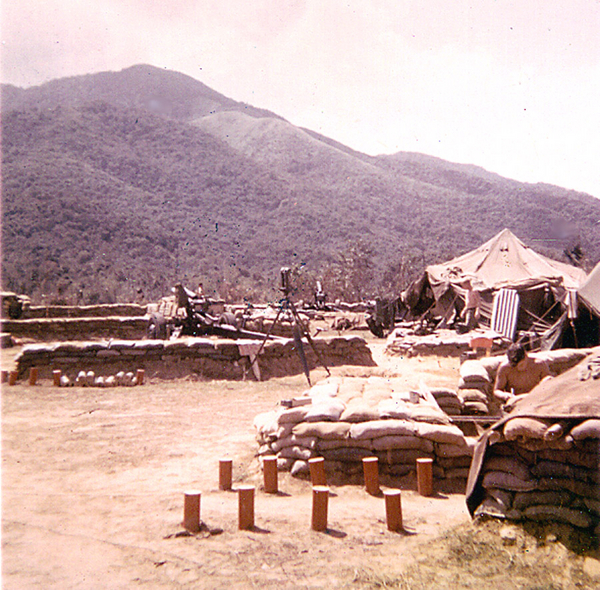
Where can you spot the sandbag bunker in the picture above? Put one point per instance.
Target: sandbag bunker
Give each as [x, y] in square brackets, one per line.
[542, 461]
[346, 419]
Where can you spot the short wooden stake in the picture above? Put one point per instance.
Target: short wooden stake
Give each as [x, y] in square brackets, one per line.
[316, 467]
[33, 375]
[139, 377]
[56, 375]
[225, 474]
[393, 510]
[12, 377]
[270, 474]
[4, 376]
[425, 477]
[319, 508]
[191, 511]
[371, 473]
[245, 507]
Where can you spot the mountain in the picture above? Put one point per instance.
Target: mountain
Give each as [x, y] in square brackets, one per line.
[116, 185]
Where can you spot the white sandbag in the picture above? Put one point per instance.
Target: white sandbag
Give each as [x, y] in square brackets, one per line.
[427, 413]
[440, 433]
[266, 422]
[284, 464]
[525, 428]
[473, 370]
[293, 415]
[472, 395]
[378, 428]
[587, 429]
[324, 389]
[394, 408]
[326, 409]
[358, 410]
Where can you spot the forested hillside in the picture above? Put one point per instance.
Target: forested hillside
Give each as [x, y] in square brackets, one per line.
[117, 185]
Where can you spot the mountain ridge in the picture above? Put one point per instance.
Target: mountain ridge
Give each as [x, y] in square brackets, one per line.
[219, 191]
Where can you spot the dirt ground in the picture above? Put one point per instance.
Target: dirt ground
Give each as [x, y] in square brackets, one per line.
[92, 497]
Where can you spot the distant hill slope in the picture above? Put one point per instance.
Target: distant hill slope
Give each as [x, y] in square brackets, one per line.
[123, 182]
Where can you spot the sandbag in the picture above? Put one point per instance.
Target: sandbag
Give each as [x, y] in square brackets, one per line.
[448, 450]
[559, 469]
[338, 443]
[475, 409]
[523, 500]
[587, 429]
[483, 386]
[472, 395]
[378, 428]
[507, 481]
[284, 464]
[440, 433]
[406, 456]
[266, 423]
[330, 409]
[577, 518]
[359, 411]
[393, 408]
[293, 415]
[509, 465]
[293, 440]
[426, 413]
[473, 370]
[525, 428]
[384, 443]
[453, 462]
[325, 430]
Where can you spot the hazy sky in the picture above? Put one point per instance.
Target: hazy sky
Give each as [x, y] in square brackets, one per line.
[513, 86]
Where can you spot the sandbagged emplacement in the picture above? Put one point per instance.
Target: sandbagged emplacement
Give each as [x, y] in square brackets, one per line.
[541, 469]
[345, 419]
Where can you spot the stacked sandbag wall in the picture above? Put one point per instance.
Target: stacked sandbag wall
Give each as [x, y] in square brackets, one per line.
[211, 358]
[347, 419]
[542, 470]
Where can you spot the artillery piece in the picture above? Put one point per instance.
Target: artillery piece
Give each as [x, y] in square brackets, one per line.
[188, 314]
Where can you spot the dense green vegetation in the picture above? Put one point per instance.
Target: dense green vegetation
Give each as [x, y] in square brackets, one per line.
[117, 185]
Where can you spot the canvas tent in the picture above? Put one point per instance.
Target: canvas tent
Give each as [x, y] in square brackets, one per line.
[504, 262]
[584, 328]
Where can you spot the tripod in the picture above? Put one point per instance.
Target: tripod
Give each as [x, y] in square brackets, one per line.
[299, 328]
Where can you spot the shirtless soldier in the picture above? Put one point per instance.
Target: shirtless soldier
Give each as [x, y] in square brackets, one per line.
[519, 374]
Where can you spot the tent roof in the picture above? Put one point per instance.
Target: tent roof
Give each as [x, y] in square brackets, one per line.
[590, 290]
[505, 261]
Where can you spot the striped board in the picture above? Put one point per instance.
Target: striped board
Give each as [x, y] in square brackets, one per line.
[505, 312]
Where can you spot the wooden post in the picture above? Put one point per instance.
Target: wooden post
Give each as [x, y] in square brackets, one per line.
[33, 375]
[270, 474]
[371, 473]
[4, 376]
[245, 507]
[56, 375]
[316, 466]
[139, 377]
[425, 477]
[393, 510]
[225, 474]
[319, 508]
[191, 511]
[12, 377]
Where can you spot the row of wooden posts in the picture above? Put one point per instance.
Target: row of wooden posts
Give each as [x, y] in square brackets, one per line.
[320, 497]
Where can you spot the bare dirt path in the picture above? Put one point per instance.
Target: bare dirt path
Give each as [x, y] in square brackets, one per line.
[93, 482]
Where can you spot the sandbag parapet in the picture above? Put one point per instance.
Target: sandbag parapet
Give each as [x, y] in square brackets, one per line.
[345, 419]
